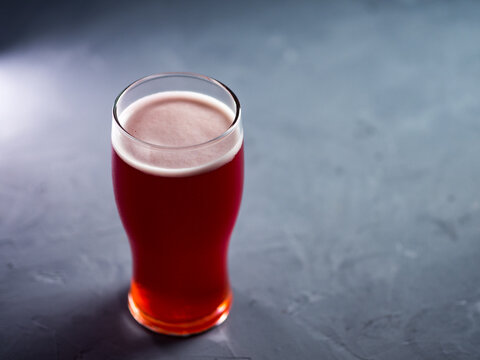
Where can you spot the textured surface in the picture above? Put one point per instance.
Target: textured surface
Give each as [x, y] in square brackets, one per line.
[359, 232]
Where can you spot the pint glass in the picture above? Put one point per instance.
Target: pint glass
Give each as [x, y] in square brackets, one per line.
[177, 169]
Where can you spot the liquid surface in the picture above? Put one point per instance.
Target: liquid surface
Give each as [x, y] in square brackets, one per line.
[177, 119]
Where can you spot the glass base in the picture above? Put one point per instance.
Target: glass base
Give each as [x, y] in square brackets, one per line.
[181, 329]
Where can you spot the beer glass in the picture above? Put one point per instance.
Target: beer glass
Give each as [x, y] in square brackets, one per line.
[178, 200]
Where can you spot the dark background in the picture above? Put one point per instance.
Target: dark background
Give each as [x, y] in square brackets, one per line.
[358, 236]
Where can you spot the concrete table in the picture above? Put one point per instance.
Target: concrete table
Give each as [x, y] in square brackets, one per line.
[359, 233]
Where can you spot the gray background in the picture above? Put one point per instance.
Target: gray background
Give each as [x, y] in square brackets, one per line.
[358, 236]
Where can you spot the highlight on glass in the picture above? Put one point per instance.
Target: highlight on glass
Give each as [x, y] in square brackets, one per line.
[177, 170]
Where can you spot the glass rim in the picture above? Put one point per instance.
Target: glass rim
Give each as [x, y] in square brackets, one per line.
[230, 129]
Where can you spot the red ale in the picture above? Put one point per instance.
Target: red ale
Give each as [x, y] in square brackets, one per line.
[178, 204]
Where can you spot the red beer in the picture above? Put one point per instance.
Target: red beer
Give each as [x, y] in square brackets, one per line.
[178, 205]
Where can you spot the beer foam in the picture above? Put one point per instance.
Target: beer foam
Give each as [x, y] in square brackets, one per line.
[175, 119]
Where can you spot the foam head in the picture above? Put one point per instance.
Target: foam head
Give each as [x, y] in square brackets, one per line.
[176, 133]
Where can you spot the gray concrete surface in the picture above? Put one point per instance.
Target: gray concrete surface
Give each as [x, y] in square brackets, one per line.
[359, 234]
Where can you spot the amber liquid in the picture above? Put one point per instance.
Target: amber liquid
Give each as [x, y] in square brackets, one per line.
[179, 229]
